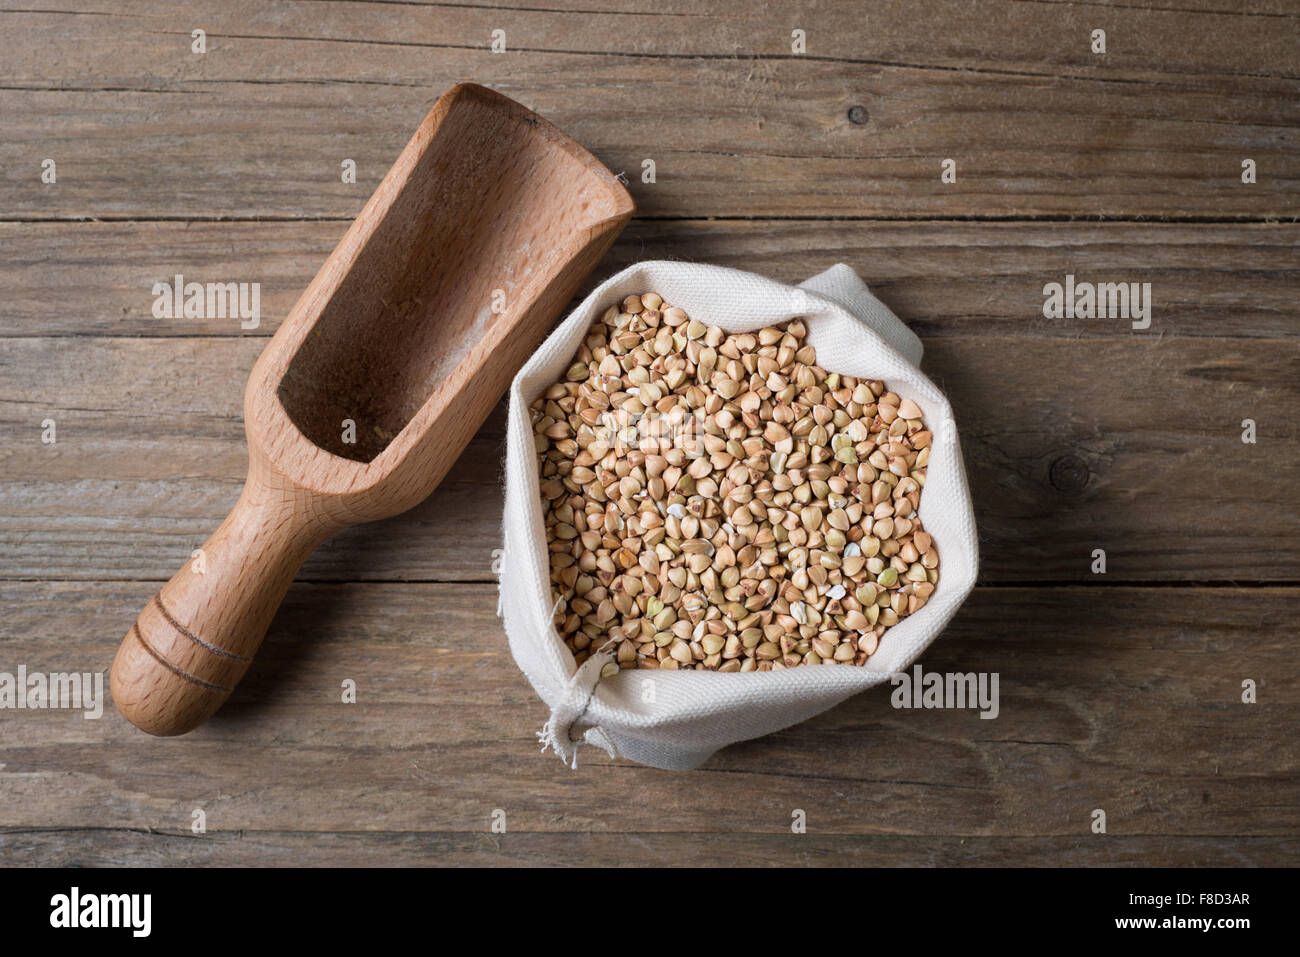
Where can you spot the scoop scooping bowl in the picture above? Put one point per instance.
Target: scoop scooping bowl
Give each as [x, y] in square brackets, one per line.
[372, 386]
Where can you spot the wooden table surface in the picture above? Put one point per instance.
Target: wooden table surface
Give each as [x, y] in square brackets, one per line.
[1119, 691]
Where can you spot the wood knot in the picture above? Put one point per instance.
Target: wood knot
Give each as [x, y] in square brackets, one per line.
[858, 115]
[1069, 474]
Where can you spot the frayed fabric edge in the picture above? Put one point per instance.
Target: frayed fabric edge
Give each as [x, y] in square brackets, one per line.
[556, 734]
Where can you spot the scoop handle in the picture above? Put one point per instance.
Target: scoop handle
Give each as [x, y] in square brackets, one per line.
[195, 639]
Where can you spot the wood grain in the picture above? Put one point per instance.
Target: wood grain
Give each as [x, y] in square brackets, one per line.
[106, 847]
[1034, 38]
[442, 732]
[1158, 127]
[1078, 435]
[1130, 444]
[945, 279]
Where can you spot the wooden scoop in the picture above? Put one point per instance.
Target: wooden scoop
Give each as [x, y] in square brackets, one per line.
[471, 246]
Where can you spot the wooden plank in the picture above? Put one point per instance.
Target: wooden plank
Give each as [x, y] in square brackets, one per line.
[443, 731]
[1151, 39]
[143, 128]
[1130, 444]
[123, 848]
[944, 279]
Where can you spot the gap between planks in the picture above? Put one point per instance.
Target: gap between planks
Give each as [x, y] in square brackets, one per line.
[920, 218]
[476, 582]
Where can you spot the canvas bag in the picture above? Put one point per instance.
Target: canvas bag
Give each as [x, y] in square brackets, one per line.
[683, 717]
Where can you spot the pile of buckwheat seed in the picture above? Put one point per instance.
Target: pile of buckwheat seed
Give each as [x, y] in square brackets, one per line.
[722, 502]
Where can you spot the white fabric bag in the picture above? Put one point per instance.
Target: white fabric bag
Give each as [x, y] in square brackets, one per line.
[677, 719]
